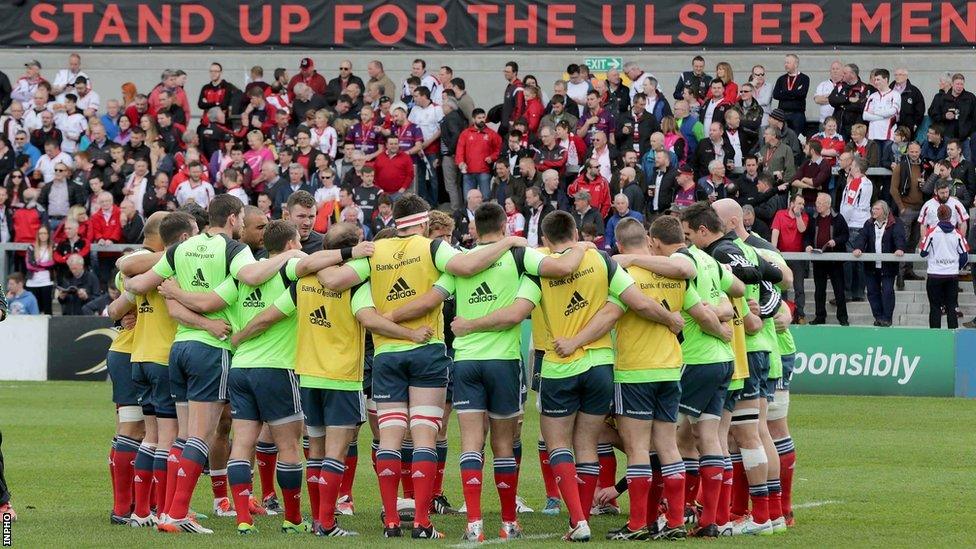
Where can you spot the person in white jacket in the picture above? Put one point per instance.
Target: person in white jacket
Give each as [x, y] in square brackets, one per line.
[855, 208]
[881, 109]
[72, 124]
[947, 252]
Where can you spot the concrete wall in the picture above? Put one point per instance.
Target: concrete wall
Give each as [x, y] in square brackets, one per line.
[481, 70]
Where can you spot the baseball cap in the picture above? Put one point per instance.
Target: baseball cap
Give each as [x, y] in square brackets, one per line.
[684, 167]
[385, 99]
[33, 63]
[307, 63]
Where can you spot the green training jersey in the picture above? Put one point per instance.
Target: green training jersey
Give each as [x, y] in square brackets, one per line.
[200, 264]
[275, 348]
[710, 283]
[495, 288]
[759, 341]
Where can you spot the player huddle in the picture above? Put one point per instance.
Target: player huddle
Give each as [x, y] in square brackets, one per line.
[679, 356]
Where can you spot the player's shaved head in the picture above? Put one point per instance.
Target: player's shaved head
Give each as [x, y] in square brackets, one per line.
[151, 228]
[630, 234]
[489, 218]
[341, 235]
[730, 212]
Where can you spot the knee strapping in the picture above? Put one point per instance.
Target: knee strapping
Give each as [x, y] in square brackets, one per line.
[392, 417]
[427, 416]
[315, 432]
[779, 408]
[753, 457]
[743, 416]
[130, 414]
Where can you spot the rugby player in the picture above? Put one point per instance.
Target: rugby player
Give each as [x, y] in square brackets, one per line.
[153, 337]
[410, 379]
[776, 417]
[199, 361]
[577, 379]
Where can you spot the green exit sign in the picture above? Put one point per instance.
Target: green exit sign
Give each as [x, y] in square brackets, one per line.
[601, 64]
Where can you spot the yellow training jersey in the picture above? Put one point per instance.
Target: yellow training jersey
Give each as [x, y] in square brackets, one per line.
[644, 346]
[401, 270]
[123, 341]
[154, 331]
[740, 310]
[541, 338]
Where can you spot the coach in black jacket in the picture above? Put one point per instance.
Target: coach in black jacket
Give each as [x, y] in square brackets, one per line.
[827, 231]
[706, 151]
[536, 209]
[661, 184]
[636, 122]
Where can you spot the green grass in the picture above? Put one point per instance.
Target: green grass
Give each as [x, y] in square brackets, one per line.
[870, 472]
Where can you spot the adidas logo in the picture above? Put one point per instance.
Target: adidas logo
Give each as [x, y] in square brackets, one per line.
[254, 300]
[387, 473]
[318, 317]
[576, 303]
[180, 473]
[418, 474]
[502, 485]
[199, 279]
[137, 478]
[145, 307]
[217, 483]
[400, 290]
[717, 477]
[473, 482]
[245, 492]
[482, 294]
[172, 458]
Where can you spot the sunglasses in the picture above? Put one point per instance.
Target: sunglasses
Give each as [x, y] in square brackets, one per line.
[328, 177]
[18, 176]
[60, 170]
[759, 74]
[345, 68]
[744, 91]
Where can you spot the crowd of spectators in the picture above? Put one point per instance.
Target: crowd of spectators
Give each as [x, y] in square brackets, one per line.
[870, 175]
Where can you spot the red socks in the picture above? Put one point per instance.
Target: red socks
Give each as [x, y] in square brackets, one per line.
[241, 486]
[639, 486]
[725, 496]
[472, 464]
[172, 469]
[329, 488]
[787, 462]
[760, 503]
[506, 481]
[351, 461]
[266, 458]
[589, 475]
[674, 492]
[313, 484]
[564, 470]
[424, 470]
[711, 487]
[552, 489]
[124, 459]
[190, 467]
[388, 473]
[218, 483]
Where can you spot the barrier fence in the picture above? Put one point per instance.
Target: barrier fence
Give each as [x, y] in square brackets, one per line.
[830, 359]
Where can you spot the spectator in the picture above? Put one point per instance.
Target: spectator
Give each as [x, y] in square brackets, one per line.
[337, 85]
[217, 92]
[831, 142]
[636, 127]
[584, 214]
[961, 171]
[394, 169]
[59, 195]
[533, 109]
[324, 136]
[906, 192]
[856, 210]
[748, 181]
[716, 147]
[52, 156]
[912, 103]
[19, 300]
[662, 184]
[503, 186]
[791, 91]
[883, 233]
[514, 220]
[788, 228]
[695, 80]
[590, 232]
[353, 216]
[536, 209]
[324, 184]
[477, 150]
[776, 158]
[464, 219]
[958, 215]
[604, 153]
[79, 214]
[28, 218]
[954, 108]
[881, 109]
[827, 232]
[824, 89]
[715, 184]
[159, 199]
[465, 102]
[576, 89]
[418, 70]
[723, 72]
[78, 286]
[688, 191]
[849, 98]
[308, 76]
[864, 147]
[195, 188]
[552, 192]
[384, 214]
[452, 126]
[558, 113]
[618, 94]
[687, 127]
[717, 103]
[513, 101]
[427, 116]
[621, 207]
[741, 142]
[596, 119]
[947, 253]
[132, 222]
[813, 176]
[597, 189]
[377, 76]
[106, 225]
[753, 224]
[366, 194]
[28, 83]
[305, 100]
[296, 182]
[40, 268]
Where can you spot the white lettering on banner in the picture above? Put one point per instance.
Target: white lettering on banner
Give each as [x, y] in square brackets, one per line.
[872, 363]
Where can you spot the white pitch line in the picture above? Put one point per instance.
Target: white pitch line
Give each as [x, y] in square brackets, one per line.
[812, 504]
[500, 540]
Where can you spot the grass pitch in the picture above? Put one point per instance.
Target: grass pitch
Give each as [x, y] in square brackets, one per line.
[870, 472]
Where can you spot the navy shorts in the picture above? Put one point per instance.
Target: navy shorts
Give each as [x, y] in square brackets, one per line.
[590, 392]
[703, 388]
[652, 400]
[265, 394]
[537, 369]
[494, 386]
[731, 398]
[124, 391]
[198, 372]
[140, 381]
[783, 383]
[523, 386]
[368, 376]
[756, 385]
[159, 394]
[393, 373]
[333, 407]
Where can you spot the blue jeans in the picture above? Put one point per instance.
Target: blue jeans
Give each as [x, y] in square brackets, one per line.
[480, 181]
[853, 271]
[427, 185]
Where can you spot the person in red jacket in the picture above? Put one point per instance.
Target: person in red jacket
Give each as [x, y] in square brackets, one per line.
[105, 223]
[550, 155]
[478, 147]
[139, 107]
[533, 108]
[393, 168]
[307, 75]
[259, 114]
[591, 181]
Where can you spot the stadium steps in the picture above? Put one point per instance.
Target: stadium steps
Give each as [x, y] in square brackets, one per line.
[911, 306]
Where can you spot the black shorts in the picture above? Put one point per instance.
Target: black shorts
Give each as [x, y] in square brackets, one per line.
[265, 394]
[333, 408]
[492, 386]
[756, 385]
[783, 383]
[537, 369]
[590, 392]
[124, 391]
[656, 400]
[395, 372]
[704, 387]
[198, 372]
